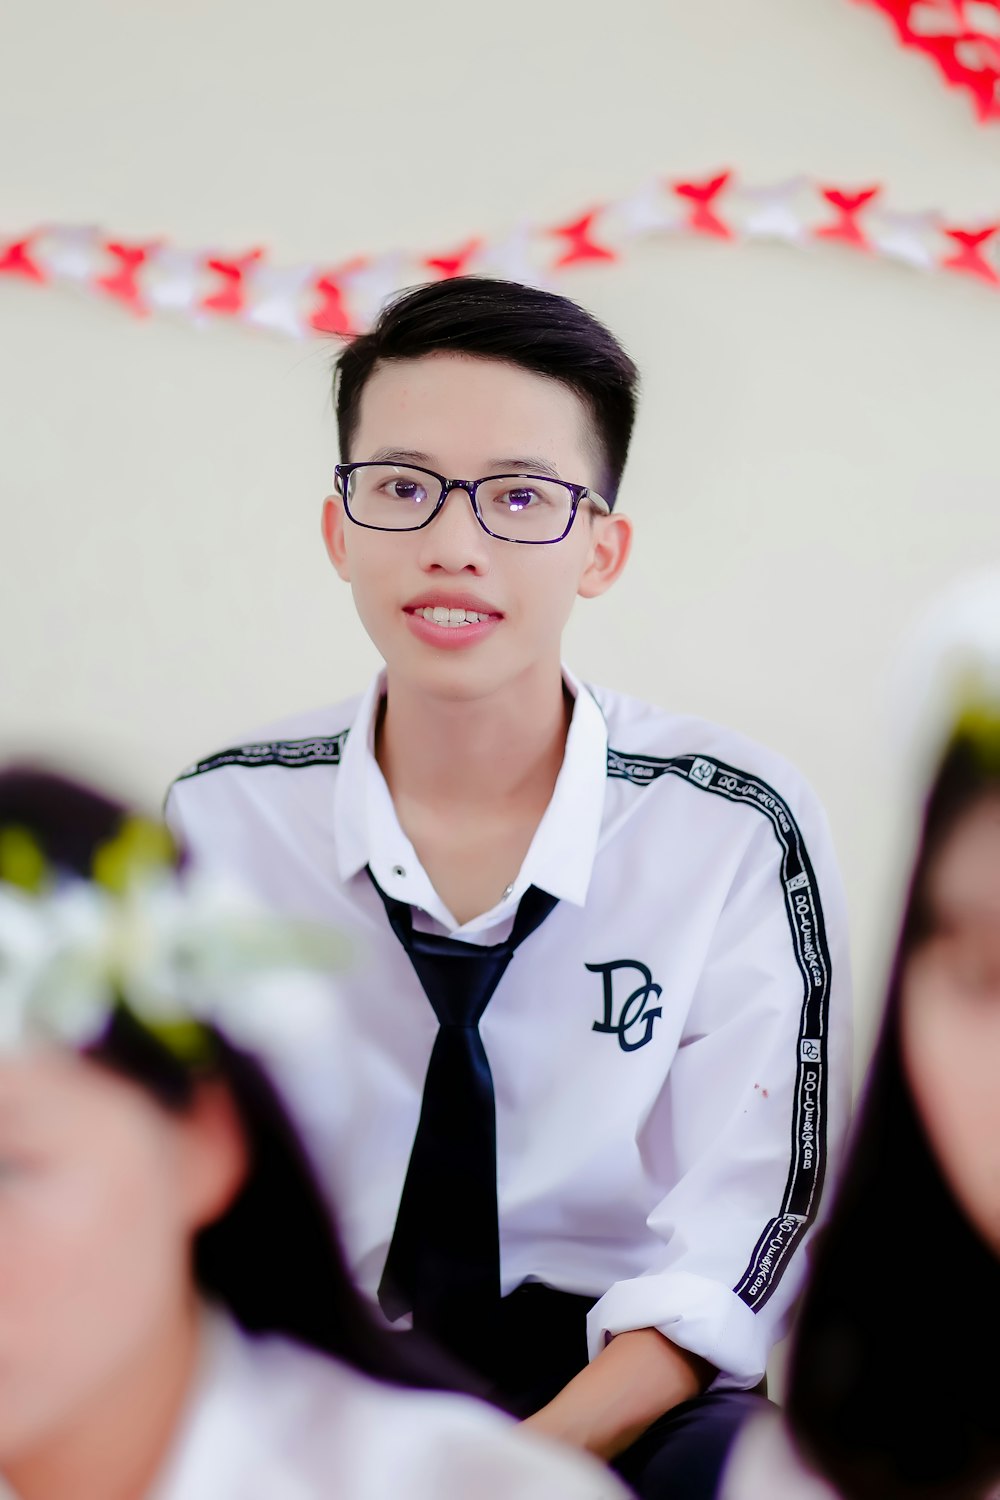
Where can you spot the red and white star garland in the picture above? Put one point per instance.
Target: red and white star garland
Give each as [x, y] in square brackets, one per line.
[204, 286]
[961, 37]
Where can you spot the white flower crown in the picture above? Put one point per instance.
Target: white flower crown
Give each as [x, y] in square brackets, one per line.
[948, 675]
[180, 952]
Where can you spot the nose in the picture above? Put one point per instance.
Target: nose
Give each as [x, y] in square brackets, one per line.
[455, 541]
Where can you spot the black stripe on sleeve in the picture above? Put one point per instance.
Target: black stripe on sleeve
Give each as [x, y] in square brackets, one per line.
[292, 754]
[804, 910]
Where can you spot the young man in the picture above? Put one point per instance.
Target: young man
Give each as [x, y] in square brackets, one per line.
[604, 996]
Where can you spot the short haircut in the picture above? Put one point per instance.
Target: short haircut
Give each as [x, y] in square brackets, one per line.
[893, 1393]
[521, 325]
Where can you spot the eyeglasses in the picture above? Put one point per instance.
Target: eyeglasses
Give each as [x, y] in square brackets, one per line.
[512, 507]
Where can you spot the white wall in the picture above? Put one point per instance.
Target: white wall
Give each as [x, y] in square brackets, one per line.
[817, 447]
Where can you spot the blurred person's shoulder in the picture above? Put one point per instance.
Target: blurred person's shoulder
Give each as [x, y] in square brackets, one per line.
[764, 1461]
[338, 1431]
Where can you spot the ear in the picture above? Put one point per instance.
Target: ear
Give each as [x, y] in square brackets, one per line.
[213, 1156]
[610, 546]
[333, 524]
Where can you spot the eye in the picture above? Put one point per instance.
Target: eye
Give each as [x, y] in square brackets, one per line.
[519, 497]
[971, 966]
[978, 974]
[405, 489]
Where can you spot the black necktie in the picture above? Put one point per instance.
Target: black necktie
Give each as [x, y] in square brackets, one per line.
[444, 1258]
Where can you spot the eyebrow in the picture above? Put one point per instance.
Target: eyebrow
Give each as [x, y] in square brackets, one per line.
[522, 465]
[404, 455]
[525, 465]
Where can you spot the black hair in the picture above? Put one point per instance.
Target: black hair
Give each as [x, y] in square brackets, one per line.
[521, 325]
[273, 1258]
[893, 1386]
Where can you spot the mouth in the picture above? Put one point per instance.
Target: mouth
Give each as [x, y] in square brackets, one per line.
[440, 620]
[454, 611]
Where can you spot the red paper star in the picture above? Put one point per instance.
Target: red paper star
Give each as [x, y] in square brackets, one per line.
[701, 195]
[229, 300]
[123, 284]
[848, 206]
[581, 245]
[951, 34]
[332, 316]
[969, 259]
[15, 260]
[455, 263]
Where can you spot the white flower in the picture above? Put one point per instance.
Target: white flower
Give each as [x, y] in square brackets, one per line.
[172, 949]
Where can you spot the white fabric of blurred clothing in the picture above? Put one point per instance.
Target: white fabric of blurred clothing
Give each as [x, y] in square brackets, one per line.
[271, 1420]
[764, 1462]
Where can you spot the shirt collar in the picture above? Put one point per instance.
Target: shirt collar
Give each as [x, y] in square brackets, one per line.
[561, 856]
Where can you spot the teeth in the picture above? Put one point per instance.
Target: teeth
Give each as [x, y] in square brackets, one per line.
[439, 614]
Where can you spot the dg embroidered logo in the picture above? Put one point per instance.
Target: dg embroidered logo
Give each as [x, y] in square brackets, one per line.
[633, 1025]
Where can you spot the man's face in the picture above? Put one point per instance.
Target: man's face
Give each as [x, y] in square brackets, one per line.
[466, 417]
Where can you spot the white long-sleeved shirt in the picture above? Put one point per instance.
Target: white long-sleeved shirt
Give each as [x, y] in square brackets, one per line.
[670, 1049]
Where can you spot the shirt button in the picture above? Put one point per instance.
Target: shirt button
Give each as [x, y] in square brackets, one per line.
[508, 893]
[398, 871]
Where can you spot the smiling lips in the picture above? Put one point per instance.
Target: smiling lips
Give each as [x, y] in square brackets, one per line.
[447, 622]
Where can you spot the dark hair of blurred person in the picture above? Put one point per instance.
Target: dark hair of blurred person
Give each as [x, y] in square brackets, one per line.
[894, 1385]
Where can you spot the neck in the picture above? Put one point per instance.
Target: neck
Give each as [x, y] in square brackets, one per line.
[114, 1445]
[504, 748]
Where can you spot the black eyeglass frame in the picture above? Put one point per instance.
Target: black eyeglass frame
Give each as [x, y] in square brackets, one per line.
[578, 493]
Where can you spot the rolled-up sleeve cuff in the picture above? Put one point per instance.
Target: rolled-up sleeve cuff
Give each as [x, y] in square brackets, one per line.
[697, 1314]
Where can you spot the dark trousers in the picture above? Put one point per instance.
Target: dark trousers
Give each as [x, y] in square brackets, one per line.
[541, 1343]
[684, 1453]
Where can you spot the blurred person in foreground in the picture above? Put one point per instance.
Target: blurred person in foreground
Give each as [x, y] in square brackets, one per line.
[607, 974]
[894, 1381]
[176, 1321]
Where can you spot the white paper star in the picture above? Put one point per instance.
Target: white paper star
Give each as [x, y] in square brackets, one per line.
[906, 237]
[773, 212]
[649, 211]
[511, 258]
[72, 252]
[175, 279]
[368, 289]
[275, 296]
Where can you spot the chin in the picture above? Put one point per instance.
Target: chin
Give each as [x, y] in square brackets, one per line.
[457, 681]
[454, 676]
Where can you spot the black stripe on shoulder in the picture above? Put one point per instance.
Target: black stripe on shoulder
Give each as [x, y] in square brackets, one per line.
[292, 754]
[807, 926]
